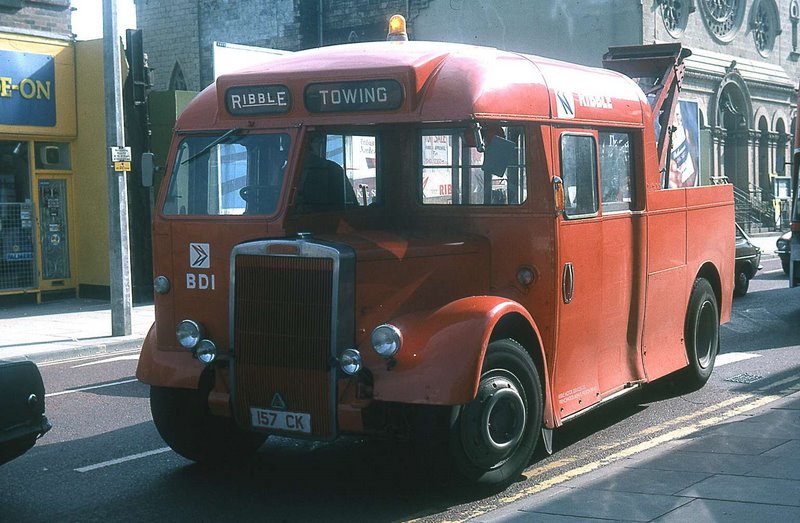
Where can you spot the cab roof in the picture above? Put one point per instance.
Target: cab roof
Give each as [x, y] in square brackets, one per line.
[440, 82]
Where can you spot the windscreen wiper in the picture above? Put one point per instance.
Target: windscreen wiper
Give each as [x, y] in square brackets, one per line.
[216, 142]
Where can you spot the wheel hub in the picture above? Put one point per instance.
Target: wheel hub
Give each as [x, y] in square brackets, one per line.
[706, 334]
[494, 422]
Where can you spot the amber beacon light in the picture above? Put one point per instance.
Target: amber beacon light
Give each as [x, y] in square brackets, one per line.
[397, 29]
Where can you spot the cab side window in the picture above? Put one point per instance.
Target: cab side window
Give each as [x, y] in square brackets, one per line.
[452, 167]
[579, 174]
[616, 171]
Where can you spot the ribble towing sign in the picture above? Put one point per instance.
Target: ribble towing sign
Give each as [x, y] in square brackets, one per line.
[348, 97]
[258, 99]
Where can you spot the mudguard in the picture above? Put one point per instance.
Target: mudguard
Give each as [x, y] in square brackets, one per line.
[167, 368]
[443, 350]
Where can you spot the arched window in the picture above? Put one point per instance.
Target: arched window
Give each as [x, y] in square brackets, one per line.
[177, 82]
[763, 158]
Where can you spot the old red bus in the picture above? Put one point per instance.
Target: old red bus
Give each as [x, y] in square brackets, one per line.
[351, 236]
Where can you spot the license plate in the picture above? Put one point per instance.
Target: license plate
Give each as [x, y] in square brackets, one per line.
[281, 420]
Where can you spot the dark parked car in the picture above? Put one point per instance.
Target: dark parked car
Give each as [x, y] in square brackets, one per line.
[22, 419]
[748, 259]
[784, 250]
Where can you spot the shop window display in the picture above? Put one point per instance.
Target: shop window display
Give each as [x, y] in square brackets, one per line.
[17, 255]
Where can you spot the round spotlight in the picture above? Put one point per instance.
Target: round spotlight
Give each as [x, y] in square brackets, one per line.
[189, 333]
[350, 361]
[206, 351]
[386, 340]
[161, 284]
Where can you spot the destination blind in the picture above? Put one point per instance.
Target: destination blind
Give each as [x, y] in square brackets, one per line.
[258, 99]
[360, 96]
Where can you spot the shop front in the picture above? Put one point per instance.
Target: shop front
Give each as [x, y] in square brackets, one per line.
[37, 128]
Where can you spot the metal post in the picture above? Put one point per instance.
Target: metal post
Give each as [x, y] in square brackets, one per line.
[118, 238]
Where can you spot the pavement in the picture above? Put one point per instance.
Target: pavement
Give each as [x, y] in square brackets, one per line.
[67, 328]
[766, 242]
[743, 468]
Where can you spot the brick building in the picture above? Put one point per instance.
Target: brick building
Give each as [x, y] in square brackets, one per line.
[738, 93]
[44, 17]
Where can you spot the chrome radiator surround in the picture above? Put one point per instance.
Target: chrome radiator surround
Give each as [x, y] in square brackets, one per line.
[301, 252]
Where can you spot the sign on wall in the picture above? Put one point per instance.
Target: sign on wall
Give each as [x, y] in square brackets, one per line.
[684, 166]
[27, 89]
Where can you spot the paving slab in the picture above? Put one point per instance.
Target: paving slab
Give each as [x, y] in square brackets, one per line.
[777, 424]
[637, 480]
[731, 512]
[517, 516]
[769, 491]
[782, 468]
[722, 444]
[788, 449]
[603, 504]
[708, 463]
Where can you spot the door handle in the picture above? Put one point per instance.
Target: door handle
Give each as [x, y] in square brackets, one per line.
[568, 283]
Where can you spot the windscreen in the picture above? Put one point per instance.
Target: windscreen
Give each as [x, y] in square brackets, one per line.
[228, 174]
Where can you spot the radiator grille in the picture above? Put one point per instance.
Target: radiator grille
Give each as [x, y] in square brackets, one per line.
[282, 336]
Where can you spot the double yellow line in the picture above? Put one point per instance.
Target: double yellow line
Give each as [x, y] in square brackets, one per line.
[654, 436]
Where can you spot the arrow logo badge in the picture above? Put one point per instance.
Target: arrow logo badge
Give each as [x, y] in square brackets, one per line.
[199, 256]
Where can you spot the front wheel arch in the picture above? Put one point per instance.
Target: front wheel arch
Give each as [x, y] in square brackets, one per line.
[455, 338]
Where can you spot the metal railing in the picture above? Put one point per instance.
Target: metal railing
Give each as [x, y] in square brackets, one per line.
[752, 212]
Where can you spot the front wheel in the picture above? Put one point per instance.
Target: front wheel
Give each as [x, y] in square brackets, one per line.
[492, 438]
[701, 334]
[184, 421]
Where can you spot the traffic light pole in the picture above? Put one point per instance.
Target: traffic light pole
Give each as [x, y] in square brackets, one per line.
[118, 232]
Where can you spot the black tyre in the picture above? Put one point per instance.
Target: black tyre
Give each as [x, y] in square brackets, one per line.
[701, 333]
[184, 421]
[741, 282]
[493, 437]
[785, 264]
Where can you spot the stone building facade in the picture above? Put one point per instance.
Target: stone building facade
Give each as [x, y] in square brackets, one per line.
[45, 17]
[742, 75]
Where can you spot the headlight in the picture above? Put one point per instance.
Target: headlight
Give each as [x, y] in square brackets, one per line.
[386, 340]
[189, 333]
[350, 361]
[206, 351]
[782, 244]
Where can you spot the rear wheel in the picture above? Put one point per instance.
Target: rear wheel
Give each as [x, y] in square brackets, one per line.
[184, 421]
[701, 334]
[492, 438]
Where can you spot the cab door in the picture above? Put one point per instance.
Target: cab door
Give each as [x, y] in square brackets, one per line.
[579, 258]
[600, 253]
